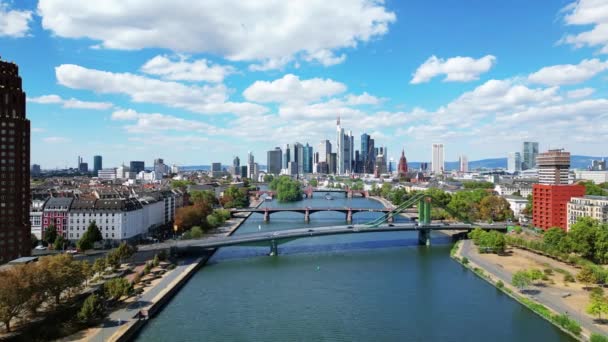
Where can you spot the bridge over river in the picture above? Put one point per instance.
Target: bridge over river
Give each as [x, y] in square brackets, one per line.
[307, 211]
[279, 237]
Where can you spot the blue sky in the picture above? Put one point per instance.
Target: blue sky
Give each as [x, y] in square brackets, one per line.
[197, 83]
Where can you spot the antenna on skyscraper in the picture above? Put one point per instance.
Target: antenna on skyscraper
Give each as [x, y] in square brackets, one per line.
[338, 121]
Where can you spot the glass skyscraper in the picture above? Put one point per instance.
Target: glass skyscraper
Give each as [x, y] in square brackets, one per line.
[529, 155]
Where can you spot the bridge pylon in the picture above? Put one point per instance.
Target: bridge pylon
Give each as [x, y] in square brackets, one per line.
[349, 216]
[266, 215]
[424, 218]
[274, 248]
[307, 216]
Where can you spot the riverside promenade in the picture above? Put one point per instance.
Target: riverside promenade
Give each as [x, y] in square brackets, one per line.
[124, 323]
[555, 297]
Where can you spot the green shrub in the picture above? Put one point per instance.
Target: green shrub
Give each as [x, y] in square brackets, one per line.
[465, 260]
[500, 284]
[568, 278]
[91, 309]
[598, 338]
[548, 271]
[565, 322]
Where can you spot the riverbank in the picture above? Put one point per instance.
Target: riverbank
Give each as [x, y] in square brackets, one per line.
[549, 299]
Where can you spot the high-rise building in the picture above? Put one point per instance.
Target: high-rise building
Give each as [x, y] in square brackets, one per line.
[297, 156]
[274, 161]
[364, 151]
[402, 169]
[307, 158]
[323, 150]
[83, 167]
[371, 156]
[553, 167]
[15, 148]
[244, 170]
[350, 152]
[463, 163]
[438, 159]
[530, 151]
[160, 168]
[286, 156]
[332, 163]
[216, 170]
[137, 166]
[97, 165]
[251, 166]
[36, 171]
[514, 162]
[340, 147]
[598, 165]
[236, 165]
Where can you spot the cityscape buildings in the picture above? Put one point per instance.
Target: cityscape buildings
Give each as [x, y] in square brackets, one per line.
[553, 167]
[15, 169]
[137, 166]
[437, 160]
[216, 170]
[463, 163]
[595, 207]
[402, 169]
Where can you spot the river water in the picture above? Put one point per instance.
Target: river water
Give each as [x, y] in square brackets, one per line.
[361, 287]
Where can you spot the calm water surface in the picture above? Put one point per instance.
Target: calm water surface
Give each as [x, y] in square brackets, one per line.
[368, 287]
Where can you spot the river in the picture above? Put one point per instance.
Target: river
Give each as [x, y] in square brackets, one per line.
[363, 287]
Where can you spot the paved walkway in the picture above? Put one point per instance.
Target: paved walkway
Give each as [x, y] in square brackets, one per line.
[120, 318]
[550, 297]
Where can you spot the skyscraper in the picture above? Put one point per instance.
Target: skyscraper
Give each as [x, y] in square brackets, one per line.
[307, 158]
[529, 155]
[437, 164]
[298, 157]
[323, 150]
[339, 148]
[553, 167]
[364, 150]
[97, 164]
[251, 167]
[274, 161]
[514, 162]
[15, 185]
[463, 163]
[236, 165]
[286, 156]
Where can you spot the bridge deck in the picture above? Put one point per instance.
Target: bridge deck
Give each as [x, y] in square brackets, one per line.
[292, 234]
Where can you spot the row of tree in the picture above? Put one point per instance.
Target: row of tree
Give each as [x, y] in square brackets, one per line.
[586, 237]
[26, 288]
[488, 242]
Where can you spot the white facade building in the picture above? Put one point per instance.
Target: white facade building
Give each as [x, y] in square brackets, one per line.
[517, 204]
[36, 209]
[595, 207]
[438, 159]
[596, 177]
[107, 174]
[339, 148]
[514, 162]
[463, 162]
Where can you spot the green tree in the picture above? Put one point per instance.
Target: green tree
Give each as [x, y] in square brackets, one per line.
[34, 240]
[598, 338]
[521, 280]
[600, 251]
[313, 182]
[583, 234]
[268, 178]
[196, 232]
[116, 288]
[495, 208]
[439, 196]
[84, 243]
[63, 275]
[477, 185]
[203, 199]
[553, 237]
[91, 310]
[288, 190]
[99, 266]
[190, 216]
[235, 197]
[14, 294]
[535, 275]
[597, 307]
[124, 251]
[180, 184]
[587, 275]
[94, 232]
[593, 189]
[59, 243]
[50, 234]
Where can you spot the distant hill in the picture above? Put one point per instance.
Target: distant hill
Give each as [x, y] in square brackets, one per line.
[576, 162]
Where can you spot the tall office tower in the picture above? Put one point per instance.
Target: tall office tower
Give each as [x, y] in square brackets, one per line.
[463, 163]
[216, 170]
[332, 163]
[351, 152]
[251, 166]
[298, 153]
[323, 150]
[160, 169]
[371, 156]
[598, 165]
[529, 155]
[307, 158]
[15, 148]
[236, 165]
[137, 166]
[357, 163]
[339, 148]
[286, 156]
[437, 164]
[364, 151]
[514, 162]
[553, 167]
[36, 171]
[274, 161]
[97, 164]
[347, 154]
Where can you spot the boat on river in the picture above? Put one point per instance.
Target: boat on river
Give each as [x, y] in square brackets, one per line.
[328, 197]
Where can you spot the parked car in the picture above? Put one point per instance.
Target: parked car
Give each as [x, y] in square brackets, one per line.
[40, 248]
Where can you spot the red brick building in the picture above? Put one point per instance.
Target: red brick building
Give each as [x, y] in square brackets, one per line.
[55, 213]
[551, 204]
[402, 164]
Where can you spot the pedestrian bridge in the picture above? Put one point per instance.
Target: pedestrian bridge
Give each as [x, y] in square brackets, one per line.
[274, 239]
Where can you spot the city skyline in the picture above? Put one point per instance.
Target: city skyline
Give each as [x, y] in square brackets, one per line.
[96, 93]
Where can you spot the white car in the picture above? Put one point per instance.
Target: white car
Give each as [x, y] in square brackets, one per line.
[40, 248]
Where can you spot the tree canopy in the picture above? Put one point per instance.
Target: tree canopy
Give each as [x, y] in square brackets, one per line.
[235, 197]
[288, 190]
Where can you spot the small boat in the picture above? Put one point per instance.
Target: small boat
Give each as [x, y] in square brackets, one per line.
[328, 197]
[268, 199]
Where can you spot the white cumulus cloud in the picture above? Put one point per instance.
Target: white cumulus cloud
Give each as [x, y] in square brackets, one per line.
[580, 93]
[206, 99]
[13, 23]
[235, 29]
[564, 74]
[588, 13]
[70, 103]
[455, 69]
[290, 88]
[184, 70]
